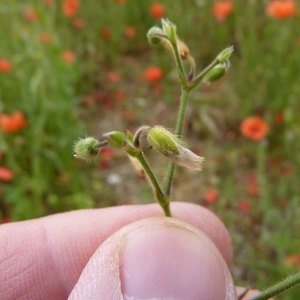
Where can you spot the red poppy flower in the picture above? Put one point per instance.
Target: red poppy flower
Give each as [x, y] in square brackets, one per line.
[106, 34]
[130, 32]
[6, 174]
[254, 128]
[78, 23]
[222, 9]
[281, 9]
[70, 7]
[292, 260]
[157, 10]
[45, 38]
[5, 65]
[113, 76]
[279, 118]
[48, 2]
[106, 155]
[252, 186]
[119, 95]
[31, 14]
[244, 206]
[211, 195]
[120, 1]
[68, 56]
[12, 123]
[153, 74]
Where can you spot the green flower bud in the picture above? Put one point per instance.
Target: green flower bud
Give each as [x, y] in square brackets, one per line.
[86, 148]
[163, 141]
[217, 72]
[172, 147]
[115, 139]
[170, 30]
[225, 54]
[155, 35]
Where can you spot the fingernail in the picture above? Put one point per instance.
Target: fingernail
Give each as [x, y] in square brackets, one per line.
[165, 260]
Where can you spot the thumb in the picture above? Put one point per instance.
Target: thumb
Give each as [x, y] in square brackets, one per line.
[156, 258]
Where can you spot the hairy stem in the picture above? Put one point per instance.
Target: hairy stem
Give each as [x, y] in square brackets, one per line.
[178, 131]
[179, 64]
[278, 288]
[160, 197]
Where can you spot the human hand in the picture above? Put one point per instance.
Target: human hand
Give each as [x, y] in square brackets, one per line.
[185, 257]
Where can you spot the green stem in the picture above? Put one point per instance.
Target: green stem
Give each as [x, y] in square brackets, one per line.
[278, 288]
[179, 64]
[160, 197]
[200, 76]
[178, 131]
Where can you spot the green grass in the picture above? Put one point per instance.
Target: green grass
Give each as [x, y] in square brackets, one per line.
[263, 80]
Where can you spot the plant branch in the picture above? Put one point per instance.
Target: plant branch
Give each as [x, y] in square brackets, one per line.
[160, 197]
[200, 76]
[179, 64]
[278, 288]
[178, 131]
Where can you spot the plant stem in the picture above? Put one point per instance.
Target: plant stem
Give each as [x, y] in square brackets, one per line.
[178, 131]
[160, 197]
[278, 288]
[179, 64]
[200, 76]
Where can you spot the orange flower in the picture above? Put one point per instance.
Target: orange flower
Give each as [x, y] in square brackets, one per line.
[48, 2]
[5, 65]
[254, 128]
[12, 123]
[45, 38]
[211, 195]
[106, 34]
[252, 185]
[292, 260]
[70, 7]
[222, 9]
[281, 9]
[31, 14]
[113, 76]
[153, 74]
[157, 10]
[78, 23]
[244, 206]
[6, 174]
[279, 118]
[130, 32]
[120, 1]
[68, 56]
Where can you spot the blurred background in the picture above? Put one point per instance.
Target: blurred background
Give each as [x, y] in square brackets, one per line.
[70, 69]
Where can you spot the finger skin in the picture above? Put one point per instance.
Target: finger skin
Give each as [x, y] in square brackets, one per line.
[43, 258]
[156, 258]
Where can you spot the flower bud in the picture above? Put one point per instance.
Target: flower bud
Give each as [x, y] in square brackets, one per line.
[172, 147]
[163, 141]
[217, 72]
[115, 139]
[86, 148]
[155, 35]
[225, 54]
[169, 29]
